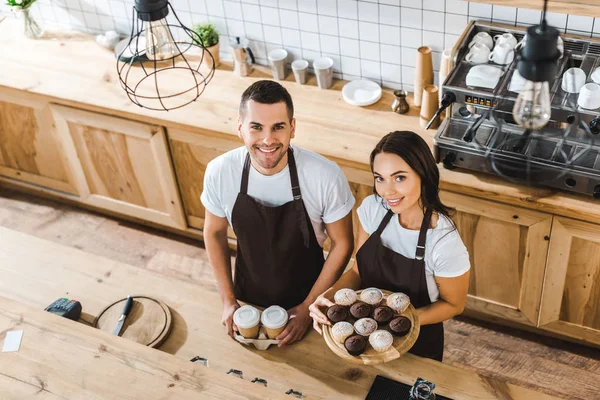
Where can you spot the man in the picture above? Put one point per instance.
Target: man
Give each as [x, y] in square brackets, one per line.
[282, 203]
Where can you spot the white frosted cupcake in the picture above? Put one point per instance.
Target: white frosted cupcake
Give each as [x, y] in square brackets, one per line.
[381, 340]
[341, 331]
[398, 302]
[345, 297]
[372, 296]
[365, 326]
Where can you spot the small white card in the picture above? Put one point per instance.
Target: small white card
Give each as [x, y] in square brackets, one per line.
[12, 342]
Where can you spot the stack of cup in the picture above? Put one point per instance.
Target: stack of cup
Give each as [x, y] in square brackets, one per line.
[324, 71]
[300, 69]
[274, 319]
[247, 319]
[277, 59]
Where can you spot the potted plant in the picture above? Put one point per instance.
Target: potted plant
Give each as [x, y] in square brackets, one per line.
[210, 40]
[32, 29]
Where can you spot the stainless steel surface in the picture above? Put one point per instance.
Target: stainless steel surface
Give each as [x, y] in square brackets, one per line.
[565, 154]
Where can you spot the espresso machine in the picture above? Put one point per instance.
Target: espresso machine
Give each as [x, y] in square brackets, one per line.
[480, 133]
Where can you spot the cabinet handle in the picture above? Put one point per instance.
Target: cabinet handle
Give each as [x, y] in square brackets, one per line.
[260, 381]
[236, 372]
[293, 393]
[200, 360]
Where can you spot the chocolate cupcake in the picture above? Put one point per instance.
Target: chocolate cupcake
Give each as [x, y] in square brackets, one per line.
[400, 326]
[355, 345]
[383, 315]
[360, 310]
[337, 313]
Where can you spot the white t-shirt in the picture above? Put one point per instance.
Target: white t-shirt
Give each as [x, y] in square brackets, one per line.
[445, 253]
[325, 190]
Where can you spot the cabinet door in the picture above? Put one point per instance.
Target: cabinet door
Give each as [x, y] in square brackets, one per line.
[507, 248]
[571, 299]
[120, 165]
[28, 147]
[191, 152]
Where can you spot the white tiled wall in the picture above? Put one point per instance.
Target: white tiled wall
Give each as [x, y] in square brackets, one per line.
[366, 38]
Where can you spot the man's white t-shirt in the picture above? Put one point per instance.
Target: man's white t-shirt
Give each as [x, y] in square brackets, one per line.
[445, 253]
[325, 190]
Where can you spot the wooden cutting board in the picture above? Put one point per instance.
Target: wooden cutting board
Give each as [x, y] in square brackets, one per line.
[370, 357]
[148, 323]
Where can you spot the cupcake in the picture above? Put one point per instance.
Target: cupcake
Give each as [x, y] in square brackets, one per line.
[381, 340]
[337, 313]
[361, 310]
[355, 345]
[341, 331]
[383, 315]
[372, 296]
[365, 326]
[400, 326]
[398, 302]
[345, 297]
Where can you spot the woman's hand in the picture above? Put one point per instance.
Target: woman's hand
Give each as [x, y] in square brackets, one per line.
[316, 314]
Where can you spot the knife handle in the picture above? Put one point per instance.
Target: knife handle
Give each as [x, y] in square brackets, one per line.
[128, 305]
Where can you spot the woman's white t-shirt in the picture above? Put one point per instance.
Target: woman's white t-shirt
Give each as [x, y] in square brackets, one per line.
[445, 253]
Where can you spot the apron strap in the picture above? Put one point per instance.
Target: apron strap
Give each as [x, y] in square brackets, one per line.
[245, 174]
[298, 203]
[386, 219]
[420, 254]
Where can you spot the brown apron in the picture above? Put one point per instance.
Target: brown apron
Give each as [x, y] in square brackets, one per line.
[278, 256]
[383, 268]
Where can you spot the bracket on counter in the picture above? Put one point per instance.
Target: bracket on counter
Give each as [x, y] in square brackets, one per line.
[200, 360]
[293, 393]
[260, 381]
[236, 372]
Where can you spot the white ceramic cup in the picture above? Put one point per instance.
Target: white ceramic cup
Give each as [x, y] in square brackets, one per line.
[478, 54]
[560, 45]
[596, 75]
[507, 38]
[300, 69]
[483, 38]
[324, 71]
[502, 54]
[589, 97]
[573, 80]
[277, 59]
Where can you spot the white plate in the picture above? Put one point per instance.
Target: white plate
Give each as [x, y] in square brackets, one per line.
[361, 93]
[486, 76]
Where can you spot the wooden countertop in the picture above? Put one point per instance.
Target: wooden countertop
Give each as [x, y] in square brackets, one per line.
[36, 272]
[62, 359]
[72, 69]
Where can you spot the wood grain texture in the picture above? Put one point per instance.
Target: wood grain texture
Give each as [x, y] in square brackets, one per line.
[307, 366]
[507, 251]
[179, 258]
[575, 7]
[571, 296]
[326, 125]
[68, 360]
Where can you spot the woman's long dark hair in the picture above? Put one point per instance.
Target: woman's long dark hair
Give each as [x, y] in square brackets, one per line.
[415, 151]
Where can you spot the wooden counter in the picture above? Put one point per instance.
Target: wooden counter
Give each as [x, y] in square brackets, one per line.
[36, 271]
[79, 73]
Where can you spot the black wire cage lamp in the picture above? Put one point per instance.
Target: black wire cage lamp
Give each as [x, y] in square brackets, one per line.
[162, 66]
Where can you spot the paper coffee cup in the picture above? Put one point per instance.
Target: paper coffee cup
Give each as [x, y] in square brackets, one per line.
[247, 318]
[274, 319]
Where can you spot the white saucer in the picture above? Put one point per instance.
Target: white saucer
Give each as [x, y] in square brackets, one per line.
[361, 93]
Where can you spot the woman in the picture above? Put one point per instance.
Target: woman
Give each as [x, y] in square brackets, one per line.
[407, 241]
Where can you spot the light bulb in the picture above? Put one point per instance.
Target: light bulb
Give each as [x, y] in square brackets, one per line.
[532, 108]
[159, 42]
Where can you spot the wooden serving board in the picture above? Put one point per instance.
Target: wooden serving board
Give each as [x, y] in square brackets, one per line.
[370, 357]
[148, 323]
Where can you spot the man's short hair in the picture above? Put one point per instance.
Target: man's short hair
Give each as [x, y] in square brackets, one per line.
[267, 92]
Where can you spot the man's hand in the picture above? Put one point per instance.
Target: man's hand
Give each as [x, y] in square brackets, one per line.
[297, 326]
[227, 319]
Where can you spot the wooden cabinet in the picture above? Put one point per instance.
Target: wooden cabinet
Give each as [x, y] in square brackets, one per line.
[29, 151]
[507, 247]
[120, 165]
[571, 298]
[574, 7]
[191, 153]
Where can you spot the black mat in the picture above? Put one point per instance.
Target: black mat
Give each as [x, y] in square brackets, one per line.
[386, 389]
